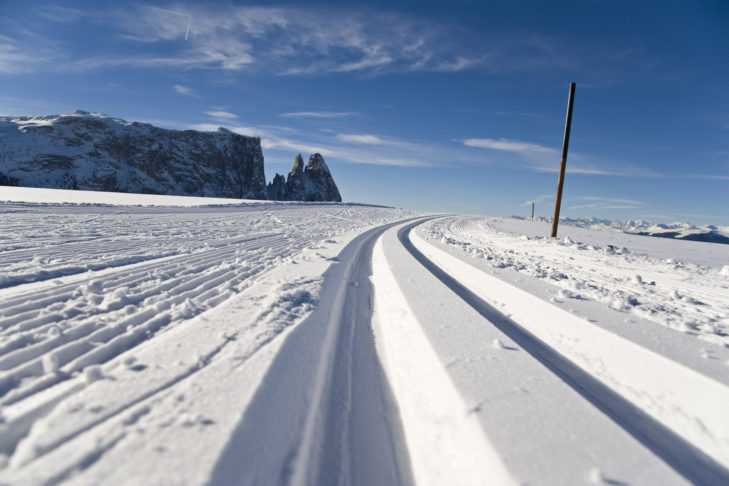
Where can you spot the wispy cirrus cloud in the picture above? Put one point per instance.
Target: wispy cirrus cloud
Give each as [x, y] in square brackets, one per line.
[537, 200]
[542, 158]
[365, 139]
[279, 40]
[369, 139]
[57, 13]
[231, 56]
[392, 152]
[319, 114]
[516, 146]
[184, 90]
[15, 58]
[718, 177]
[296, 40]
[599, 202]
[221, 115]
[285, 40]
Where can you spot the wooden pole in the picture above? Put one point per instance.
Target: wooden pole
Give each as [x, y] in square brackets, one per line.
[563, 165]
[532, 211]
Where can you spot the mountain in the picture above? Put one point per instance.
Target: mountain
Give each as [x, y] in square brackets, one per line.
[91, 151]
[311, 183]
[680, 231]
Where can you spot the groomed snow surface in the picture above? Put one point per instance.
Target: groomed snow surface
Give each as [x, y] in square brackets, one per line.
[161, 342]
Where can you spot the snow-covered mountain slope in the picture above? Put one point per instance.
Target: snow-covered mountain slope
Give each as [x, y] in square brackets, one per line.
[680, 231]
[310, 343]
[91, 151]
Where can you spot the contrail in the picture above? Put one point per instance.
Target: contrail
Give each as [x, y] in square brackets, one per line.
[189, 17]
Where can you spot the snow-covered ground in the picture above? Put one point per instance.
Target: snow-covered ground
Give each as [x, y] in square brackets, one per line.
[263, 343]
[62, 196]
[680, 284]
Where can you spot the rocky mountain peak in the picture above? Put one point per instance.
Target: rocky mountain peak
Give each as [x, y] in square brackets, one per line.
[311, 183]
[86, 150]
[298, 169]
[316, 162]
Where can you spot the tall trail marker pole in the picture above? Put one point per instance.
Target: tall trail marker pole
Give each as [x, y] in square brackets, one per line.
[563, 166]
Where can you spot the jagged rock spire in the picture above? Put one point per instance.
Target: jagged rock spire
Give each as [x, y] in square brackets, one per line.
[323, 187]
[276, 190]
[316, 162]
[311, 183]
[298, 168]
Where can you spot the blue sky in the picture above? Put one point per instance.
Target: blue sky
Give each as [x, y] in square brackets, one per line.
[450, 106]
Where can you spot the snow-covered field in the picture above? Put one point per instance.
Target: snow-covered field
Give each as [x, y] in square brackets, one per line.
[263, 343]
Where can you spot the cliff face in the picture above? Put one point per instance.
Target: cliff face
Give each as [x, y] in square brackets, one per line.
[95, 152]
[311, 183]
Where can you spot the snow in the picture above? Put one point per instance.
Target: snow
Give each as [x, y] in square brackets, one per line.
[675, 283]
[171, 340]
[435, 417]
[670, 392]
[65, 196]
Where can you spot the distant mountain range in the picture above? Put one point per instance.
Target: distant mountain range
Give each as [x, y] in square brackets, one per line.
[680, 231]
[91, 151]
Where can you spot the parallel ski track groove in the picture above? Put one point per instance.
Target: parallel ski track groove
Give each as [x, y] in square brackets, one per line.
[202, 277]
[326, 451]
[153, 395]
[677, 452]
[258, 254]
[148, 396]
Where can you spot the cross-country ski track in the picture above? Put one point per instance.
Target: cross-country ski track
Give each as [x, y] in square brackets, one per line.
[343, 344]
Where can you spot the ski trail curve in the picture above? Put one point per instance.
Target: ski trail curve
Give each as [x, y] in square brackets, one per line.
[324, 412]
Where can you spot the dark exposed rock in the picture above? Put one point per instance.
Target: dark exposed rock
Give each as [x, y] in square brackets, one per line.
[320, 185]
[295, 182]
[276, 190]
[89, 151]
[8, 181]
[311, 183]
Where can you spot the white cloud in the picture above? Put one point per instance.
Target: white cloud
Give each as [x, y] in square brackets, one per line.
[319, 114]
[461, 63]
[368, 139]
[707, 176]
[403, 162]
[546, 159]
[575, 169]
[292, 40]
[603, 206]
[271, 138]
[289, 40]
[184, 90]
[363, 139]
[222, 115]
[279, 40]
[507, 145]
[56, 13]
[610, 200]
[391, 152]
[539, 199]
[15, 57]
[599, 202]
